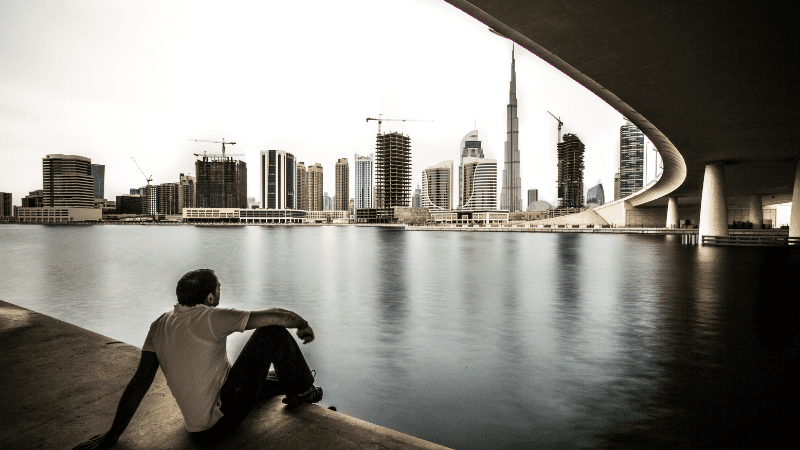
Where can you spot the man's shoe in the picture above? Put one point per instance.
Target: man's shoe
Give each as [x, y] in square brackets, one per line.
[314, 395]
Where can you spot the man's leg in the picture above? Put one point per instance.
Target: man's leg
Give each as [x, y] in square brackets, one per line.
[268, 345]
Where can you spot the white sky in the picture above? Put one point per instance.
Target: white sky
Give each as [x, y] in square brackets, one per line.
[111, 80]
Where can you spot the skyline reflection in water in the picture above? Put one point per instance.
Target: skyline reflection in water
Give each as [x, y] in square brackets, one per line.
[471, 340]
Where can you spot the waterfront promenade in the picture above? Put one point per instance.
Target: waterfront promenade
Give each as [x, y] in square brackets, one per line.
[60, 385]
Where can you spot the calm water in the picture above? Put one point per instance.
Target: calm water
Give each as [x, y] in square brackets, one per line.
[471, 340]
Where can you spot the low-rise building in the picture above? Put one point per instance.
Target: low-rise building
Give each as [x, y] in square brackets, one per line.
[58, 214]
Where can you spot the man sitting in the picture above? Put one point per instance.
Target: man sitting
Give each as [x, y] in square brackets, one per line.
[189, 344]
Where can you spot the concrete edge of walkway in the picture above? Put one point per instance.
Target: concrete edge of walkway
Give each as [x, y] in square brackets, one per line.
[60, 385]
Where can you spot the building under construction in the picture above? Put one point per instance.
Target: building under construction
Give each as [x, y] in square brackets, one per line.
[570, 172]
[392, 174]
[221, 183]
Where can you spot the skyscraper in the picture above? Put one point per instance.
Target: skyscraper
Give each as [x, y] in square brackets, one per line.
[99, 175]
[437, 187]
[5, 204]
[631, 159]
[570, 172]
[278, 172]
[511, 193]
[67, 181]
[186, 192]
[392, 173]
[221, 183]
[533, 195]
[479, 189]
[301, 186]
[167, 196]
[315, 199]
[364, 170]
[616, 186]
[470, 148]
[342, 194]
[416, 201]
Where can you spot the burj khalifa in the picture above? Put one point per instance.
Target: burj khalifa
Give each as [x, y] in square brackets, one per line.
[511, 193]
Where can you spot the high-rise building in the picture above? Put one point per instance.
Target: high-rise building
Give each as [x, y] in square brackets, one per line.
[595, 195]
[327, 202]
[129, 204]
[479, 189]
[437, 187]
[99, 175]
[315, 194]
[342, 194]
[616, 186]
[416, 198]
[364, 170]
[221, 183]
[392, 172]
[511, 193]
[186, 192]
[301, 187]
[167, 198]
[533, 196]
[150, 200]
[6, 207]
[631, 159]
[278, 172]
[67, 181]
[570, 172]
[470, 148]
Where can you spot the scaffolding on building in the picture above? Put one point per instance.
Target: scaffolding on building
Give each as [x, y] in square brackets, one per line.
[570, 172]
[392, 174]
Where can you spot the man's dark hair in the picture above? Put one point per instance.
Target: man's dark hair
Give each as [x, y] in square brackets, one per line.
[194, 287]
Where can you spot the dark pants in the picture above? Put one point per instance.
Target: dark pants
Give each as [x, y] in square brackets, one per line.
[249, 376]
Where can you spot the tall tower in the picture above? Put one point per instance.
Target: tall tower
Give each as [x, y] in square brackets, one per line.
[470, 148]
[302, 186]
[511, 193]
[186, 192]
[342, 194]
[392, 173]
[278, 172]
[364, 169]
[570, 172]
[314, 181]
[99, 175]
[67, 181]
[631, 159]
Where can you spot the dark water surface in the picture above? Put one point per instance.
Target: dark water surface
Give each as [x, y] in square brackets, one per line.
[471, 340]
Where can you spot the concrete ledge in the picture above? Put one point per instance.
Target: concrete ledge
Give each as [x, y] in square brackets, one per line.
[60, 385]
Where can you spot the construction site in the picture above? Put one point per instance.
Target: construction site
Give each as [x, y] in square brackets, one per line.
[570, 171]
[392, 174]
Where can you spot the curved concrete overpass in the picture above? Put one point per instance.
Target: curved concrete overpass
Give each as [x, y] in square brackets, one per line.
[707, 83]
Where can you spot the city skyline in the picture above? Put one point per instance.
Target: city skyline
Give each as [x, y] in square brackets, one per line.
[155, 84]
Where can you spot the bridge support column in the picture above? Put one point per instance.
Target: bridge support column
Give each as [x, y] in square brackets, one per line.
[756, 212]
[713, 205]
[672, 212]
[794, 218]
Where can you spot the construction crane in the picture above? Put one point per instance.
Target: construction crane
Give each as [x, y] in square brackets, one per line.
[145, 176]
[381, 119]
[560, 123]
[223, 142]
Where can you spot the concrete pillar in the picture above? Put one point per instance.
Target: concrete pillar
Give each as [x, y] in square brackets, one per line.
[756, 212]
[672, 212]
[794, 218]
[713, 206]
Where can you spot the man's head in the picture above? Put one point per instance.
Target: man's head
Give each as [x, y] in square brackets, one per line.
[199, 286]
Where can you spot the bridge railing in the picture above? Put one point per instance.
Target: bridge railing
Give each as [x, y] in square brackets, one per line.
[751, 240]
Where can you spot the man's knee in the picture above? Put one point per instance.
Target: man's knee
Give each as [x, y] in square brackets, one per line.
[272, 333]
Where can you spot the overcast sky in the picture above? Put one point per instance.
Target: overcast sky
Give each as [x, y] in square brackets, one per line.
[111, 80]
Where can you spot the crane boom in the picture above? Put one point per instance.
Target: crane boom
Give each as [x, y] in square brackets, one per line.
[560, 123]
[223, 142]
[381, 119]
[140, 170]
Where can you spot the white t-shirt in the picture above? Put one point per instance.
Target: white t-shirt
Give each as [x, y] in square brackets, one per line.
[190, 345]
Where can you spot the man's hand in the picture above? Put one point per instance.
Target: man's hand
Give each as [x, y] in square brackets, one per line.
[101, 441]
[306, 334]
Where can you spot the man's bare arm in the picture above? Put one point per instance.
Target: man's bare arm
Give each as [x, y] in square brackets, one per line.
[128, 404]
[282, 318]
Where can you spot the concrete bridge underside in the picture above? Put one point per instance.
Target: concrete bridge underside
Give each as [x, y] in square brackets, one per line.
[708, 83]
